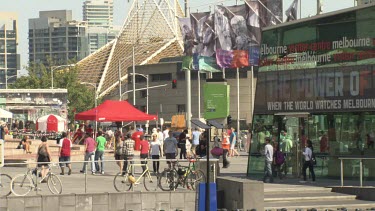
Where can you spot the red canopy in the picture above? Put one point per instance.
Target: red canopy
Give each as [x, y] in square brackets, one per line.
[114, 111]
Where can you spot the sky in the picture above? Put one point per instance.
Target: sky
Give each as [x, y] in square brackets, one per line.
[30, 9]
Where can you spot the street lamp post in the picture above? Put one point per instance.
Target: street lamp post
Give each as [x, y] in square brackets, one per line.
[96, 103]
[7, 78]
[57, 67]
[146, 77]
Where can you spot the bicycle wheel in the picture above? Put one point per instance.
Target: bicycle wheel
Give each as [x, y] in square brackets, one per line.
[5, 181]
[21, 185]
[194, 178]
[122, 183]
[54, 184]
[168, 180]
[150, 180]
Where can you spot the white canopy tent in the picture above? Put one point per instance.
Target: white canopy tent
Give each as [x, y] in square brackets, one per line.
[5, 114]
[50, 123]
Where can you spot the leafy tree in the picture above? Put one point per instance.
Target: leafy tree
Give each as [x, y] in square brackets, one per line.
[80, 96]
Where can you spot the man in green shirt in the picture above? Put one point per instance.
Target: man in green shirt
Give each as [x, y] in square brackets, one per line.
[99, 153]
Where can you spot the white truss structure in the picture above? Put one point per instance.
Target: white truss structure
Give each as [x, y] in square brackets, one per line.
[151, 28]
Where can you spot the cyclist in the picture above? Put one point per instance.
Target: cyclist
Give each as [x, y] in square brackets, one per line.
[128, 151]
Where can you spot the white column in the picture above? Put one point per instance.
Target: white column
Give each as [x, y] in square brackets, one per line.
[199, 94]
[147, 103]
[119, 78]
[133, 77]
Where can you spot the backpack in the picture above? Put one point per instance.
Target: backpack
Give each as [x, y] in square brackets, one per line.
[279, 158]
[313, 159]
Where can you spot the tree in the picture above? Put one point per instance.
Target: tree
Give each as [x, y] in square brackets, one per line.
[80, 97]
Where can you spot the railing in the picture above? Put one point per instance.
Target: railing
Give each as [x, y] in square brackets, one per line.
[135, 161]
[360, 168]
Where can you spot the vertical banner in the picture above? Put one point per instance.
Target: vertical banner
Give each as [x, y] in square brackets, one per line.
[216, 101]
[291, 12]
[187, 36]
[271, 12]
[232, 45]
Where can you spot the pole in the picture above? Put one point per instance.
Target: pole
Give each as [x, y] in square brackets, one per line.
[252, 92]
[133, 77]
[199, 95]
[119, 78]
[188, 98]
[6, 79]
[51, 77]
[300, 9]
[147, 103]
[208, 170]
[238, 102]
[96, 113]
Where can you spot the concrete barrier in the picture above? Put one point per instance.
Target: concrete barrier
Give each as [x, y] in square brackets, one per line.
[240, 194]
[134, 201]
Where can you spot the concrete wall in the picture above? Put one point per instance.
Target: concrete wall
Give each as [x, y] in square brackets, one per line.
[364, 193]
[136, 201]
[236, 193]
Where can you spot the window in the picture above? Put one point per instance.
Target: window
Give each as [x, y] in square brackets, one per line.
[161, 77]
[181, 108]
[140, 79]
[143, 93]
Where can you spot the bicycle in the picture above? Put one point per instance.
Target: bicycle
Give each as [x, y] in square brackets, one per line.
[124, 181]
[186, 176]
[5, 181]
[22, 184]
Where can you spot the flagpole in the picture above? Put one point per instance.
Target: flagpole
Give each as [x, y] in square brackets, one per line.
[199, 94]
[300, 9]
[238, 102]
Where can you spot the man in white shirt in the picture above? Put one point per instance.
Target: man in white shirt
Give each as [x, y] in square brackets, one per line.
[268, 153]
[161, 140]
[166, 133]
[195, 143]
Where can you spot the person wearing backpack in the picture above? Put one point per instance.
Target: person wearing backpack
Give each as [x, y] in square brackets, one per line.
[309, 161]
[279, 160]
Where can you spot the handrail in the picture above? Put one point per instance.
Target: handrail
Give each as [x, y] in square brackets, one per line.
[133, 160]
[360, 167]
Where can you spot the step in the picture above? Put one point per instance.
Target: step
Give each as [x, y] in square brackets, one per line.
[297, 189]
[291, 196]
[320, 205]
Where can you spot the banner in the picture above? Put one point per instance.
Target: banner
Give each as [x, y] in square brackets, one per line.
[203, 31]
[233, 44]
[187, 35]
[216, 101]
[208, 64]
[291, 12]
[271, 12]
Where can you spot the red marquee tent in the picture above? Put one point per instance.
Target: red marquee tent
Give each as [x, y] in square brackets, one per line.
[114, 111]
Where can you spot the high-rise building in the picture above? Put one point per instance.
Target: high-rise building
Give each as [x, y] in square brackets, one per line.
[99, 17]
[9, 59]
[98, 13]
[56, 36]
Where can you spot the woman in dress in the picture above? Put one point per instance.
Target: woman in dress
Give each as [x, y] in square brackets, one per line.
[44, 155]
[119, 143]
[155, 152]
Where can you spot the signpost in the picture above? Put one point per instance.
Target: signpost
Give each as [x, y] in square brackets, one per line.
[1, 153]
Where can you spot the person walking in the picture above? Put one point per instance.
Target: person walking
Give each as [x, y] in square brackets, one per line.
[170, 148]
[161, 139]
[182, 143]
[233, 139]
[119, 156]
[44, 156]
[128, 151]
[99, 153]
[309, 162]
[65, 146]
[268, 152]
[226, 146]
[195, 140]
[145, 150]
[90, 146]
[155, 153]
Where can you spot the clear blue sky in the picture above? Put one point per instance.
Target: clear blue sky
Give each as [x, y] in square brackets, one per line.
[30, 9]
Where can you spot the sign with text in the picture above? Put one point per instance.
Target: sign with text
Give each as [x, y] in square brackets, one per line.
[346, 39]
[216, 101]
[1, 153]
[316, 90]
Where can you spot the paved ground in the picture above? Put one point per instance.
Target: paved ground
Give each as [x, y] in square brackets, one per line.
[76, 182]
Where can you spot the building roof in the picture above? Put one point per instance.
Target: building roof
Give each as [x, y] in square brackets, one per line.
[151, 29]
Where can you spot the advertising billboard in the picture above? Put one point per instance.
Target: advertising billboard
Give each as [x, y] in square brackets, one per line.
[216, 101]
[316, 90]
[344, 39]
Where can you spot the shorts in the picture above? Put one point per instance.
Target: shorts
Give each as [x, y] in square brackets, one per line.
[64, 159]
[232, 145]
[119, 157]
[170, 155]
